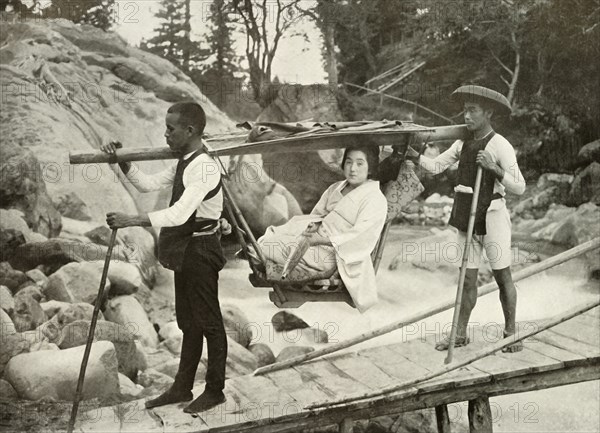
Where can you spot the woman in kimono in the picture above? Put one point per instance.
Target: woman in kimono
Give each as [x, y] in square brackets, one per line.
[343, 229]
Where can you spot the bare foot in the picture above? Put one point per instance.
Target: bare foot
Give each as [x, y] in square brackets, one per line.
[458, 342]
[515, 347]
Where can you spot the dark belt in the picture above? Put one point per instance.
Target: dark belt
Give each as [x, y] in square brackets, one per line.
[496, 196]
[204, 225]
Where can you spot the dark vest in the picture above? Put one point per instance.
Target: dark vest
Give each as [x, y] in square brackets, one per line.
[173, 241]
[467, 172]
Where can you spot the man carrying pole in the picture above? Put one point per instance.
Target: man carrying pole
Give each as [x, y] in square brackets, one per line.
[492, 227]
[189, 245]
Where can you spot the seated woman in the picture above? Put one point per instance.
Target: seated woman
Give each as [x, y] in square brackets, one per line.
[345, 225]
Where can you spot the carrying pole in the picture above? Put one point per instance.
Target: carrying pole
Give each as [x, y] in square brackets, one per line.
[463, 267]
[90, 338]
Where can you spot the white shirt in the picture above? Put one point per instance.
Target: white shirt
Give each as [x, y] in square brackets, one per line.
[502, 153]
[200, 177]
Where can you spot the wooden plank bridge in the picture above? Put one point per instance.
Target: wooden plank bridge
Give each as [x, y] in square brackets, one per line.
[277, 401]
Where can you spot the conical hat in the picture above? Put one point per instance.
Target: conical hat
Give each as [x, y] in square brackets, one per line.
[472, 93]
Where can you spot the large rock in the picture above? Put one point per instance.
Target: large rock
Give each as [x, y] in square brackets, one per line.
[138, 245]
[129, 357]
[31, 289]
[37, 276]
[7, 392]
[7, 327]
[23, 186]
[10, 240]
[55, 253]
[127, 311]
[63, 313]
[586, 186]
[11, 278]
[15, 219]
[54, 374]
[27, 314]
[240, 361]
[292, 352]
[125, 278]
[70, 205]
[286, 321]
[589, 153]
[263, 354]
[237, 325]
[12, 345]
[75, 282]
[7, 303]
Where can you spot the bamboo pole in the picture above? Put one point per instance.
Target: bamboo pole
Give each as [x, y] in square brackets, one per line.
[381, 246]
[329, 140]
[446, 305]
[90, 338]
[406, 101]
[463, 267]
[488, 350]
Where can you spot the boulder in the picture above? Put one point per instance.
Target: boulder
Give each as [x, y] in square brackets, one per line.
[75, 282]
[69, 313]
[54, 374]
[236, 324]
[23, 187]
[316, 335]
[37, 276]
[170, 367]
[158, 357]
[589, 153]
[70, 205]
[263, 354]
[286, 321]
[292, 352]
[43, 345]
[127, 388]
[173, 344]
[125, 278]
[127, 311]
[28, 313]
[14, 219]
[55, 253]
[11, 278]
[52, 308]
[7, 327]
[76, 333]
[12, 345]
[586, 186]
[170, 329]
[151, 377]
[7, 303]
[10, 240]
[240, 361]
[31, 289]
[99, 235]
[7, 392]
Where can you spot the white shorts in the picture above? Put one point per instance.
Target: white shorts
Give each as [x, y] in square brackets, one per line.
[496, 242]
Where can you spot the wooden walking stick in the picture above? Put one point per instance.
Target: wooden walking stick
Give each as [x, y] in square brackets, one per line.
[463, 267]
[90, 339]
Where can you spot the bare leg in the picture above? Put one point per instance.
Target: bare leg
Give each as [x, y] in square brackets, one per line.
[508, 299]
[469, 299]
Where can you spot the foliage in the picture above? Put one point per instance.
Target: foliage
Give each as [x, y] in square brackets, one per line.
[172, 39]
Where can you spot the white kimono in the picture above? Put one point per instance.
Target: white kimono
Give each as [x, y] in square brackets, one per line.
[352, 223]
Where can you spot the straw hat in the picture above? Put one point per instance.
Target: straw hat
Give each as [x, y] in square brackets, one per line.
[472, 93]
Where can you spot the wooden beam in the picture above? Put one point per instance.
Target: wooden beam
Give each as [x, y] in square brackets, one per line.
[480, 415]
[346, 426]
[442, 419]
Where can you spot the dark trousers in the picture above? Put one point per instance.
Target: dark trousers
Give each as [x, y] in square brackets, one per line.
[199, 313]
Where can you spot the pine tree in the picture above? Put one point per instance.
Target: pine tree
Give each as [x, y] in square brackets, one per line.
[172, 40]
[219, 40]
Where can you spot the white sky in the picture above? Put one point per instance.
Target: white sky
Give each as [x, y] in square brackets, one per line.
[296, 61]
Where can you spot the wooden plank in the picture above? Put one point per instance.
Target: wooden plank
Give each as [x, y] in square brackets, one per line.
[577, 347]
[538, 361]
[500, 368]
[594, 314]
[564, 356]
[304, 391]
[332, 380]
[579, 330]
[229, 413]
[424, 353]
[362, 370]
[393, 364]
[260, 392]
[480, 415]
[442, 419]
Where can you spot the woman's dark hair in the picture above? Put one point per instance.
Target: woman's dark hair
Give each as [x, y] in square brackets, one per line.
[372, 154]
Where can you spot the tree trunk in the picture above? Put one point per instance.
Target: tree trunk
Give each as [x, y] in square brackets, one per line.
[186, 48]
[332, 73]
